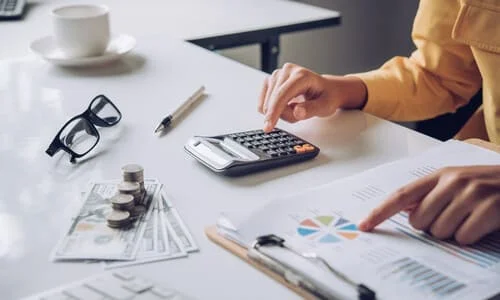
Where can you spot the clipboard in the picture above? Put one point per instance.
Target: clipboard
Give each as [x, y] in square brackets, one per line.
[242, 253]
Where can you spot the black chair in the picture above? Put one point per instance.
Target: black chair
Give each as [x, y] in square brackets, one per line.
[446, 126]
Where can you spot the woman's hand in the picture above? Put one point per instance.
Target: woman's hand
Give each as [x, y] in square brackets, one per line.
[294, 93]
[460, 202]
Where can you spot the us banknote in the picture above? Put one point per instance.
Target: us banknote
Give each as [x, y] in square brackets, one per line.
[89, 237]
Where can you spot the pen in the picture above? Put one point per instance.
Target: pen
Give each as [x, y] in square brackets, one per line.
[180, 110]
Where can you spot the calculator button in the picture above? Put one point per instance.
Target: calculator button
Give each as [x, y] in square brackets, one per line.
[280, 145]
[123, 275]
[248, 145]
[138, 285]
[272, 146]
[299, 149]
[308, 147]
[240, 140]
[272, 153]
[256, 143]
[304, 148]
[263, 147]
[109, 288]
[163, 292]
[82, 292]
[57, 296]
[248, 139]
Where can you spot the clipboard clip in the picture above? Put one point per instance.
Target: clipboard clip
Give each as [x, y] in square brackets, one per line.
[299, 279]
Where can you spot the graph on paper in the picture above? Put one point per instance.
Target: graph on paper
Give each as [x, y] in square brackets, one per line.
[327, 229]
[424, 279]
[485, 254]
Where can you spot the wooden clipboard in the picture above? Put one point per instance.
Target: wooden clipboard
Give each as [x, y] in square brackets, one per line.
[211, 232]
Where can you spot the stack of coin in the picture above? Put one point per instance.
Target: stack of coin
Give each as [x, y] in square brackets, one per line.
[131, 188]
[119, 219]
[134, 173]
[128, 204]
[123, 202]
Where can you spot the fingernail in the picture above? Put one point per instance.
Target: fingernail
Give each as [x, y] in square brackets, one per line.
[364, 226]
[267, 125]
[300, 113]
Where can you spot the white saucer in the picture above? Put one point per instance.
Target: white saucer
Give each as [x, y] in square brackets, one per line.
[47, 49]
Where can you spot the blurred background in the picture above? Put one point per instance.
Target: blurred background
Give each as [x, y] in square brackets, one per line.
[371, 32]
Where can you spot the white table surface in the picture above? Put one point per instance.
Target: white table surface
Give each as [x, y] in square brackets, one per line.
[186, 19]
[39, 194]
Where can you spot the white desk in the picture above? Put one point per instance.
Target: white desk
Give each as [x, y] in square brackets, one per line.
[213, 25]
[39, 194]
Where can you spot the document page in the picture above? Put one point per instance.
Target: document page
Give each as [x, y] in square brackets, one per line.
[394, 259]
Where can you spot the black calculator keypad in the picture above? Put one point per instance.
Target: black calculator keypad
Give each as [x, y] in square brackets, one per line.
[274, 144]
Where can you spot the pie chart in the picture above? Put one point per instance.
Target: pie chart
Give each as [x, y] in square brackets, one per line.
[328, 229]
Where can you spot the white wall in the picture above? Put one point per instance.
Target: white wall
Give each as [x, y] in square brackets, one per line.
[371, 32]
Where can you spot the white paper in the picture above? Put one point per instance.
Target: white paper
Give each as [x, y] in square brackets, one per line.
[395, 259]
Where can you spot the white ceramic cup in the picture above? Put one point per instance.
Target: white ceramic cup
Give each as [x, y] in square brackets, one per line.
[81, 30]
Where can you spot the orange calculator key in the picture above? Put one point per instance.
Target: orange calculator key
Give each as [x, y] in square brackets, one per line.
[308, 147]
[299, 149]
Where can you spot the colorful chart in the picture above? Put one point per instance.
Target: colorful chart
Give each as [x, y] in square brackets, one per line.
[328, 229]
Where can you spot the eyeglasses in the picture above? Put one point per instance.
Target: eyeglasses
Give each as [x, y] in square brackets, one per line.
[79, 135]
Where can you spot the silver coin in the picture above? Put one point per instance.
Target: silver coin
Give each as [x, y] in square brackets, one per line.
[121, 225]
[127, 207]
[133, 176]
[117, 216]
[132, 168]
[122, 199]
[127, 187]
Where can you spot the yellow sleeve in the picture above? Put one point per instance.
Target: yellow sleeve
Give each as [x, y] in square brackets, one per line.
[439, 77]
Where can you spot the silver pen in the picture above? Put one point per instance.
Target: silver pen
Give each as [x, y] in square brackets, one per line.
[167, 121]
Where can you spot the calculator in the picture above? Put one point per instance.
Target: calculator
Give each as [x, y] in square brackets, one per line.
[11, 9]
[246, 152]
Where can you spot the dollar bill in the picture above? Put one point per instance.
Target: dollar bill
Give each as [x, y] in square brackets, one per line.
[89, 237]
[175, 220]
[168, 245]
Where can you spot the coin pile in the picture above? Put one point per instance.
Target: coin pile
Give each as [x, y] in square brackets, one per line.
[128, 204]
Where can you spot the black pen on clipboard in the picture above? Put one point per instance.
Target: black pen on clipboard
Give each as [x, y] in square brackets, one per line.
[167, 121]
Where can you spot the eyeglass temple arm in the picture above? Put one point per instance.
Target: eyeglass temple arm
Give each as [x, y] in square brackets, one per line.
[53, 148]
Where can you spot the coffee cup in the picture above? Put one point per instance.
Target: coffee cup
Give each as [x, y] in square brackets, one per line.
[81, 30]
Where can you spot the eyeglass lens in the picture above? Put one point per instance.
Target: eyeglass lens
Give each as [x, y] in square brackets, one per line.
[79, 136]
[105, 110]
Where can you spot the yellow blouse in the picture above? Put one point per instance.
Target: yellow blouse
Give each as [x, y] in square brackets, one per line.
[458, 51]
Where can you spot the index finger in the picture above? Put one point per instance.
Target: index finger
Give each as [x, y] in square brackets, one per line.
[407, 196]
[295, 85]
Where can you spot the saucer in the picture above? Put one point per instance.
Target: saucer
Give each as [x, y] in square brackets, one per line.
[118, 46]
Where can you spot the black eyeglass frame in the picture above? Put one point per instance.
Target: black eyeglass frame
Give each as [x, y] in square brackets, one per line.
[92, 119]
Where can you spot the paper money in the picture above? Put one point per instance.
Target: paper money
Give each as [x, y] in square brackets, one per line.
[166, 244]
[90, 238]
[175, 220]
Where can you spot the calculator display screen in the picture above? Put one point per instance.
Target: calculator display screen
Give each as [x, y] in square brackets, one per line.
[210, 154]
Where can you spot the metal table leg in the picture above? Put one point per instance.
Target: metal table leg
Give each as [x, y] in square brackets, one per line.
[269, 54]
